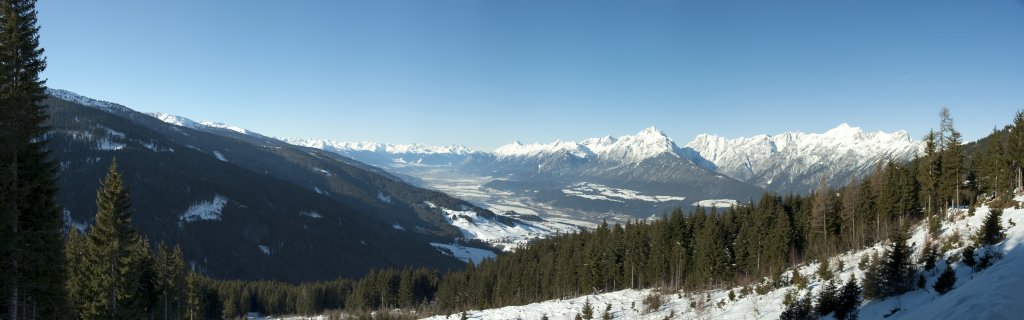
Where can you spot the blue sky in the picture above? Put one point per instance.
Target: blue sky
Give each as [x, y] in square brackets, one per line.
[485, 73]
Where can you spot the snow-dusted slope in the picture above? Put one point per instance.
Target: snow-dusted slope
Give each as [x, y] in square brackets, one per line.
[993, 293]
[201, 125]
[792, 161]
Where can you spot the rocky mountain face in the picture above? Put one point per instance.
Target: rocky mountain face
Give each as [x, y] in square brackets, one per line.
[794, 161]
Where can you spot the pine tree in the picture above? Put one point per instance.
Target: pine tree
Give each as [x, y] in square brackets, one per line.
[991, 231]
[588, 310]
[801, 309]
[893, 275]
[824, 270]
[946, 281]
[968, 255]
[116, 269]
[1015, 149]
[827, 300]
[31, 241]
[848, 300]
[171, 287]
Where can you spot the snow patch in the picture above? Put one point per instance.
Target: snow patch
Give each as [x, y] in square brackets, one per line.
[311, 214]
[383, 197]
[464, 253]
[397, 226]
[219, 156]
[596, 191]
[718, 203]
[501, 235]
[265, 249]
[106, 144]
[204, 210]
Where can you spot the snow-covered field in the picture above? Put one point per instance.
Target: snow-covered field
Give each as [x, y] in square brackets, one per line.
[470, 188]
[601, 192]
[501, 235]
[993, 293]
[718, 203]
[465, 253]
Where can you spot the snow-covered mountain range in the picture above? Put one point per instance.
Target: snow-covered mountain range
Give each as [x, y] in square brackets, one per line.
[793, 161]
[787, 162]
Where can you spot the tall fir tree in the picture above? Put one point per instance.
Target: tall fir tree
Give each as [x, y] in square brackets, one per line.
[31, 239]
[116, 269]
[1015, 149]
[946, 281]
[991, 231]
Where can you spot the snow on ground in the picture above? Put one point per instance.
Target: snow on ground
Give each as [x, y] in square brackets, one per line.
[204, 210]
[601, 192]
[106, 144]
[311, 214]
[718, 203]
[77, 98]
[219, 156]
[397, 226]
[257, 316]
[219, 125]
[319, 191]
[506, 237]
[994, 293]
[383, 197]
[265, 249]
[465, 253]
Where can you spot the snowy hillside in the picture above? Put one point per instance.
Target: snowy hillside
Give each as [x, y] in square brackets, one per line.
[792, 161]
[202, 125]
[992, 293]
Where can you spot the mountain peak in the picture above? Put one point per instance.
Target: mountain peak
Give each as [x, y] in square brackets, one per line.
[845, 130]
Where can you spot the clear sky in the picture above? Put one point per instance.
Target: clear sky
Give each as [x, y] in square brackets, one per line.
[485, 73]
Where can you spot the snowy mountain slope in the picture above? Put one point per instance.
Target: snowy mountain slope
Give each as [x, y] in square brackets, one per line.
[993, 293]
[264, 194]
[792, 161]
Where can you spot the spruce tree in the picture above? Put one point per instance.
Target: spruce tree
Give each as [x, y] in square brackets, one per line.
[991, 231]
[968, 255]
[588, 310]
[31, 239]
[1015, 149]
[801, 309]
[848, 300]
[117, 266]
[946, 281]
[827, 299]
